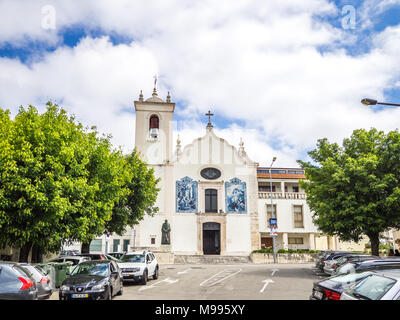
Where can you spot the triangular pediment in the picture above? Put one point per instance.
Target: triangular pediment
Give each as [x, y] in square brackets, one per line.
[211, 149]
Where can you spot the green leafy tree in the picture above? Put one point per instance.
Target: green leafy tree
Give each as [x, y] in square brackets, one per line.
[58, 181]
[139, 196]
[354, 189]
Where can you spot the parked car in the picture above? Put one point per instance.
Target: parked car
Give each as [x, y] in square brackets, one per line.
[321, 253]
[332, 288]
[385, 286]
[41, 280]
[379, 264]
[69, 253]
[74, 259]
[96, 279]
[117, 255]
[331, 265]
[16, 283]
[331, 255]
[138, 266]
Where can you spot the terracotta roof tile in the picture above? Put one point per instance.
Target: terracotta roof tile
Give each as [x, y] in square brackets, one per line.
[281, 175]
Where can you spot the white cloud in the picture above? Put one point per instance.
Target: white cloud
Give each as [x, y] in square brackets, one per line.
[257, 62]
[371, 9]
[96, 81]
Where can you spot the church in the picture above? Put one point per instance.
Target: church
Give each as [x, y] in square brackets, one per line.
[208, 189]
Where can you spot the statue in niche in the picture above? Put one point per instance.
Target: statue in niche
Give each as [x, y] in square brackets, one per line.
[165, 229]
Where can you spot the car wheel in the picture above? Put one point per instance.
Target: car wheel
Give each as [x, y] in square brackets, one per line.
[155, 275]
[144, 280]
[119, 293]
[109, 293]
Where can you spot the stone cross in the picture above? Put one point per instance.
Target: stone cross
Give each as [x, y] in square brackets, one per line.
[209, 114]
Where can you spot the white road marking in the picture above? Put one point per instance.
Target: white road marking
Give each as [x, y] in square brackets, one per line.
[273, 271]
[220, 276]
[183, 272]
[168, 280]
[267, 282]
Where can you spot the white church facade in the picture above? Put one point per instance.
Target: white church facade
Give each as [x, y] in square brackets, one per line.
[208, 189]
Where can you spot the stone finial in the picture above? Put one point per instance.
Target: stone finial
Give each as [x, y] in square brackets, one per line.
[168, 97]
[141, 96]
[241, 148]
[178, 146]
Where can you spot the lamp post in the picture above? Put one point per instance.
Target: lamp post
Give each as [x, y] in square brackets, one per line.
[272, 207]
[372, 102]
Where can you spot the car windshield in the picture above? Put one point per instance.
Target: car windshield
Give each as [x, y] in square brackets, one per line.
[133, 258]
[74, 261]
[91, 269]
[351, 277]
[21, 271]
[41, 270]
[373, 288]
[342, 260]
[321, 254]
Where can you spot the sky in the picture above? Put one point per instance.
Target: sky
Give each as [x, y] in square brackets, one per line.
[280, 74]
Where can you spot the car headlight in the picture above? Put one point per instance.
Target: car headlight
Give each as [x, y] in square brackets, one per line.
[64, 288]
[99, 286]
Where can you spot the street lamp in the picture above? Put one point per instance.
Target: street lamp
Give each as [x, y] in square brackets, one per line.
[372, 102]
[272, 207]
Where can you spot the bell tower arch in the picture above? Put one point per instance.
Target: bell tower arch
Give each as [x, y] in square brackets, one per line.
[154, 128]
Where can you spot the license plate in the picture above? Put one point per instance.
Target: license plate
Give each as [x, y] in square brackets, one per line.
[318, 294]
[126, 274]
[80, 295]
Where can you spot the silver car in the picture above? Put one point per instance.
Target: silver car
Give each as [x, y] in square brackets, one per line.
[42, 281]
[384, 286]
[329, 267]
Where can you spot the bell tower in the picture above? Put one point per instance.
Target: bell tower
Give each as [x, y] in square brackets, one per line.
[154, 126]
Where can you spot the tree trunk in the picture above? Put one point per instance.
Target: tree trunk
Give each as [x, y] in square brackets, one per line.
[24, 252]
[85, 248]
[374, 238]
[37, 255]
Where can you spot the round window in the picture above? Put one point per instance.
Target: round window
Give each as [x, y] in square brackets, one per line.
[210, 173]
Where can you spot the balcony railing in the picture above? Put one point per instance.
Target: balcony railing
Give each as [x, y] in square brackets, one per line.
[280, 195]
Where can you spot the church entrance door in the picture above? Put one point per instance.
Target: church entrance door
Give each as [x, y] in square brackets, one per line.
[211, 238]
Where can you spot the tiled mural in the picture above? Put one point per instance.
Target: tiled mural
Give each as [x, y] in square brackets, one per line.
[235, 195]
[186, 195]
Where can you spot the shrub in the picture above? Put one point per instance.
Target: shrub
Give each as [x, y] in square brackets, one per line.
[285, 251]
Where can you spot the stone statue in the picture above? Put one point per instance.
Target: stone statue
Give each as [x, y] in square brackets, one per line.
[165, 229]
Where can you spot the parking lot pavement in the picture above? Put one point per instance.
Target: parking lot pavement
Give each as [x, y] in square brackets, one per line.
[226, 282]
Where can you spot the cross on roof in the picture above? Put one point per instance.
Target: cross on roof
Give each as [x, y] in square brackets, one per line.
[209, 114]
